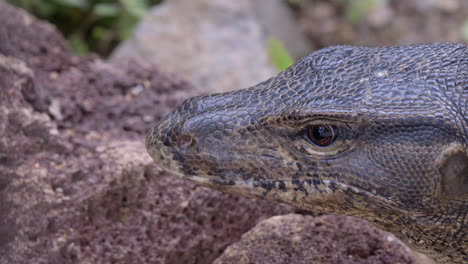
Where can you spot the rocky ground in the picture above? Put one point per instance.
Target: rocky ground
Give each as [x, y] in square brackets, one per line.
[77, 186]
[76, 183]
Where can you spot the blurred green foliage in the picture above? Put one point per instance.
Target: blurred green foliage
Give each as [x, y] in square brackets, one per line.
[293, 2]
[354, 10]
[278, 54]
[90, 25]
[464, 30]
[357, 9]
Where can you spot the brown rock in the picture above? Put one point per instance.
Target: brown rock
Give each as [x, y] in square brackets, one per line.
[76, 184]
[324, 239]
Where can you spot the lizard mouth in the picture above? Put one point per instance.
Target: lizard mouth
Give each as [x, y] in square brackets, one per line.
[326, 196]
[313, 194]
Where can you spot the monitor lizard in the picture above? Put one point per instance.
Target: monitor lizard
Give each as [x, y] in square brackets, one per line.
[375, 133]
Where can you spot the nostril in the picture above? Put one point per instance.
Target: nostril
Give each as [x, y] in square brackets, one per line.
[182, 139]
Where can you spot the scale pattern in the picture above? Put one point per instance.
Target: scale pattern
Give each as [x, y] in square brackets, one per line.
[400, 159]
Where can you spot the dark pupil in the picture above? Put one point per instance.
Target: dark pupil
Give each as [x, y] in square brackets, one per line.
[322, 135]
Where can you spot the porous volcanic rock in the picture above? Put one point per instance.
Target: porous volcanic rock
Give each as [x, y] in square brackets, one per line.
[76, 183]
[328, 239]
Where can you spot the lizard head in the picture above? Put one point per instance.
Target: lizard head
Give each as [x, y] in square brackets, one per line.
[375, 133]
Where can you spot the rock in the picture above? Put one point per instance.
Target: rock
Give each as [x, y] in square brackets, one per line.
[218, 45]
[325, 239]
[144, 222]
[76, 183]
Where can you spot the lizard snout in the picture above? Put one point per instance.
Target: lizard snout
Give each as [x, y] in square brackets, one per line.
[168, 140]
[200, 134]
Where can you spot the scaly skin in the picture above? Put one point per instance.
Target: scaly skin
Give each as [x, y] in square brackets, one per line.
[399, 158]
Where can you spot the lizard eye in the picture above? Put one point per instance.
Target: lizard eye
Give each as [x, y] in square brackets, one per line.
[322, 135]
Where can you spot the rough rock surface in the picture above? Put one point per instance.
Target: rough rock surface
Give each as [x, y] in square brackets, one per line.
[304, 239]
[76, 184]
[218, 45]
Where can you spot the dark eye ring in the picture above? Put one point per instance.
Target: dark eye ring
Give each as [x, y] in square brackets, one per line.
[322, 135]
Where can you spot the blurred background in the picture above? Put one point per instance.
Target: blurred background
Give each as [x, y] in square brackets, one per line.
[222, 45]
[90, 25]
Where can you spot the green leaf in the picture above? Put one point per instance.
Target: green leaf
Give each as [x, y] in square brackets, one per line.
[100, 33]
[39, 8]
[78, 45]
[278, 54]
[357, 9]
[106, 10]
[82, 4]
[136, 8]
[127, 24]
[294, 2]
[464, 31]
